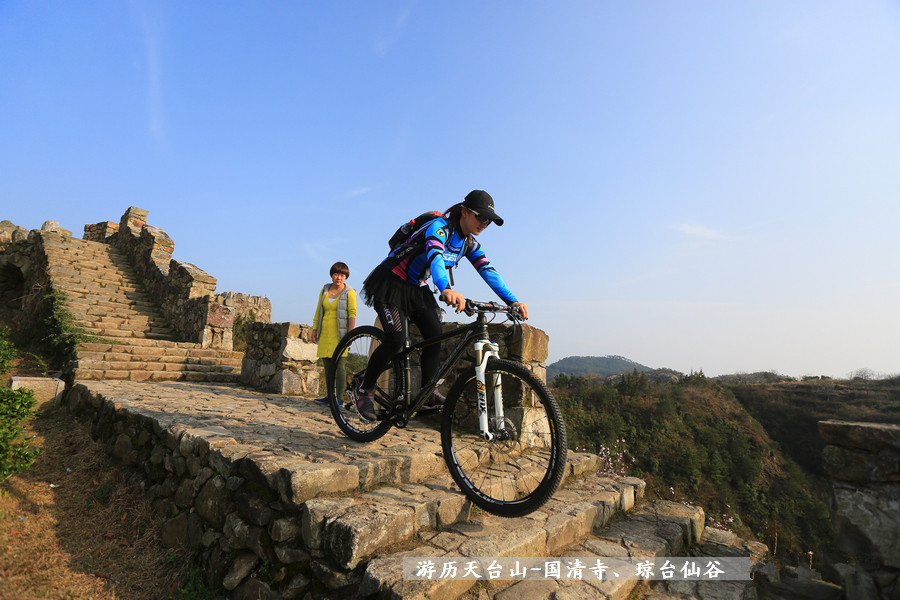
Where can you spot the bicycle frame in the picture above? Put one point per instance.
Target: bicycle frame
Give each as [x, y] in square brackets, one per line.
[484, 349]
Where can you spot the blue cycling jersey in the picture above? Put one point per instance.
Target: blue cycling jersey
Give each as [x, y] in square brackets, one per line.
[444, 247]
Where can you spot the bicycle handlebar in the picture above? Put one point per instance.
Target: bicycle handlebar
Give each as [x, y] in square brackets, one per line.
[474, 306]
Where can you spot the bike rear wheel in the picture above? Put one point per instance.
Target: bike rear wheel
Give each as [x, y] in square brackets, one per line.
[518, 470]
[356, 349]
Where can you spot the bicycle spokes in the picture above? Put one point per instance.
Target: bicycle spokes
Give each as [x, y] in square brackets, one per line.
[520, 465]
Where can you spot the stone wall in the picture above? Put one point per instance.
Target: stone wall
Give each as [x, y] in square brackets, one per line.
[24, 273]
[281, 358]
[185, 293]
[10, 232]
[228, 502]
[252, 308]
[863, 461]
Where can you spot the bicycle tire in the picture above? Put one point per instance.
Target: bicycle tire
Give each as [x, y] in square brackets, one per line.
[356, 347]
[518, 471]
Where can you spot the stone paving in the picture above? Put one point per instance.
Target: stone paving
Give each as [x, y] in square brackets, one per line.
[268, 421]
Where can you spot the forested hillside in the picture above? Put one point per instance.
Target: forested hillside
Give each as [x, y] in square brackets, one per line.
[593, 366]
[693, 441]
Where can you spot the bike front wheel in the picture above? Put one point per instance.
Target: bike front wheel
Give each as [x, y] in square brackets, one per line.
[521, 466]
[355, 349]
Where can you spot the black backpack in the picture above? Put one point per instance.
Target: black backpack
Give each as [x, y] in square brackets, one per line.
[410, 237]
[409, 229]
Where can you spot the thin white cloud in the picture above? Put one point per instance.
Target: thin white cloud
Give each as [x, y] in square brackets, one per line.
[699, 232]
[155, 106]
[387, 39]
[360, 191]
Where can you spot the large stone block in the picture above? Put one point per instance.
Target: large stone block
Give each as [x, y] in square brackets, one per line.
[847, 464]
[286, 382]
[213, 502]
[219, 315]
[295, 349]
[528, 343]
[864, 436]
[692, 519]
[364, 529]
[315, 515]
[867, 522]
[133, 220]
[303, 481]
[288, 329]
[46, 389]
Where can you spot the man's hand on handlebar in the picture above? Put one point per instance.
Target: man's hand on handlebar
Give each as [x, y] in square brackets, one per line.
[454, 299]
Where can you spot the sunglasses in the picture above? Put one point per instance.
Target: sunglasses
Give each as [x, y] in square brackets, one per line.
[482, 220]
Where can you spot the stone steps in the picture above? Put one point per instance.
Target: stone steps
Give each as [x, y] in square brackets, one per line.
[577, 511]
[128, 332]
[97, 361]
[131, 341]
[147, 347]
[354, 529]
[87, 280]
[253, 476]
[184, 373]
[576, 528]
[122, 304]
[162, 355]
[173, 364]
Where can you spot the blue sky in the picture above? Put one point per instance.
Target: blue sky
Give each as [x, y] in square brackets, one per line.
[693, 185]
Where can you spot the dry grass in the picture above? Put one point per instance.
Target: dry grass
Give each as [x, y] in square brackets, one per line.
[70, 527]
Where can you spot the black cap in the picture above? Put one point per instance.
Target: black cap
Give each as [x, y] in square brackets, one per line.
[481, 202]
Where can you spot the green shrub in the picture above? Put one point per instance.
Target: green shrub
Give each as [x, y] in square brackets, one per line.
[62, 335]
[239, 330]
[16, 454]
[7, 350]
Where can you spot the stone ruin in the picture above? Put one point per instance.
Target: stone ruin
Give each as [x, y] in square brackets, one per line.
[185, 293]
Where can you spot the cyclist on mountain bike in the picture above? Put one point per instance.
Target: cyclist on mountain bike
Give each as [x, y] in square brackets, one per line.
[398, 287]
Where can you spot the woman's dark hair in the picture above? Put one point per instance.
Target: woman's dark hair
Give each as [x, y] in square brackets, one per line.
[340, 267]
[453, 214]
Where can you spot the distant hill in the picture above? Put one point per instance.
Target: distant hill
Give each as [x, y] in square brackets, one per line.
[601, 366]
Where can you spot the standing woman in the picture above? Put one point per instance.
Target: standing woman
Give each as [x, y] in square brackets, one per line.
[335, 316]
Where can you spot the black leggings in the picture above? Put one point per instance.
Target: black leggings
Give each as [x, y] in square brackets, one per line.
[427, 319]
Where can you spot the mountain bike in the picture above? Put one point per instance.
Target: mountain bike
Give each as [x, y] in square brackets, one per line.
[502, 433]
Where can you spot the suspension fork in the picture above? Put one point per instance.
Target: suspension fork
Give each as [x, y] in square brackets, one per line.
[485, 349]
[407, 371]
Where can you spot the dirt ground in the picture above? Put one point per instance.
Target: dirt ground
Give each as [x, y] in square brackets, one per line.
[71, 528]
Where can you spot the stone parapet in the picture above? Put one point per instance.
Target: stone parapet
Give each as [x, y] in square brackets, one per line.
[863, 461]
[252, 308]
[100, 231]
[281, 358]
[10, 232]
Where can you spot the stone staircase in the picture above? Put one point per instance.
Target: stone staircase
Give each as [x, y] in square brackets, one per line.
[131, 340]
[276, 503]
